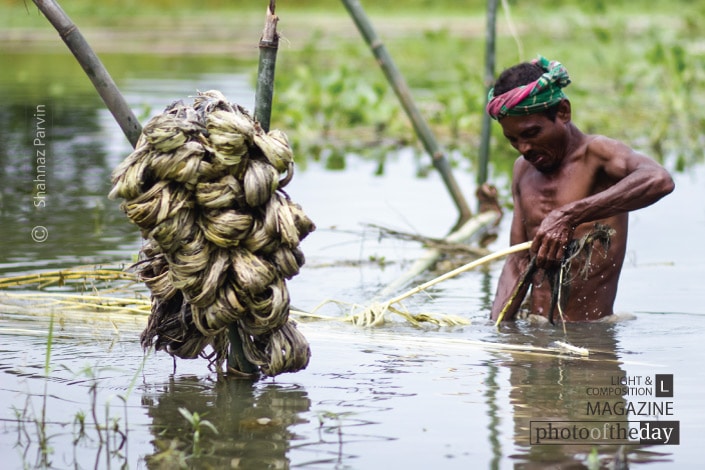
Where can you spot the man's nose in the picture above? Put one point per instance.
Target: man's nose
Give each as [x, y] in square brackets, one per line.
[523, 147]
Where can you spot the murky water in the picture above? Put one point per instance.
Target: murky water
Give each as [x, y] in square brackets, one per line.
[371, 398]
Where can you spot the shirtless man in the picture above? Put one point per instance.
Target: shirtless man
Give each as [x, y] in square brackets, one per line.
[564, 181]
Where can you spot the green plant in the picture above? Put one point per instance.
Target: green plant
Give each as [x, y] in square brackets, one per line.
[44, 448]
[198, 424]
[112, 431]
[79, 424]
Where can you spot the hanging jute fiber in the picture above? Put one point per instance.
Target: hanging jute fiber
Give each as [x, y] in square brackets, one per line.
[205, 186]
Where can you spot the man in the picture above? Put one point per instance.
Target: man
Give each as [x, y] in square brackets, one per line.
[564, 182]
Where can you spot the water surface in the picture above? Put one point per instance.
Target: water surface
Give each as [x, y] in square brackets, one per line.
[371, 398]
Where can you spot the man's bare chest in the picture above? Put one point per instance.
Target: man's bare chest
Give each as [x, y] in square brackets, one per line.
[542, 194]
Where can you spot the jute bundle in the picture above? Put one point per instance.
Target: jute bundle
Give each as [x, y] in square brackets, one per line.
[205, 186]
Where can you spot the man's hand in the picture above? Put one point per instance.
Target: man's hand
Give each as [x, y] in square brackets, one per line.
[551, 239]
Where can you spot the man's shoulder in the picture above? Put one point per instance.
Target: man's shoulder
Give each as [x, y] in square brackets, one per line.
[605, 147]
[520, 165]
[520, 169]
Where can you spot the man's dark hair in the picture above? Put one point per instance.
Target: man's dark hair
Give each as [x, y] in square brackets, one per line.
[518, 75]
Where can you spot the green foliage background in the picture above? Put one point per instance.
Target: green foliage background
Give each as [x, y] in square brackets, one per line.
[638, 68]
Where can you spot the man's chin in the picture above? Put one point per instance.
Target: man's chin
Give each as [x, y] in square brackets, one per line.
[544, 165]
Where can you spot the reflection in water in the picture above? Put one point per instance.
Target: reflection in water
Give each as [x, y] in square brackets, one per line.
[252, 422]
[563, 407]
[64, 162]
[54, 174]
[493, 413]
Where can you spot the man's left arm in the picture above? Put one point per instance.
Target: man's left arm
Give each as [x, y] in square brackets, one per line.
[639, 182]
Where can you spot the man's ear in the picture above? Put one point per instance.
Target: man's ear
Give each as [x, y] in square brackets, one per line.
[564, 113]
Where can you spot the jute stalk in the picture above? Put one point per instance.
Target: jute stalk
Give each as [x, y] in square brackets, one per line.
[466, 267]
[401, 89]
[99, 76]
[475, 224]
[374, 314]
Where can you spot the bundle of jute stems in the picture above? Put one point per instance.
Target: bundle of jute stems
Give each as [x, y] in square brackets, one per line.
[85, 288]
[66, 276]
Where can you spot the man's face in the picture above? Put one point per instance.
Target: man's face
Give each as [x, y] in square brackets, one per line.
[541, 141]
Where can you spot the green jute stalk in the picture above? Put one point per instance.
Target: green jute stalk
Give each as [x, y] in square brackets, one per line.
[401, 89]
[94, 68]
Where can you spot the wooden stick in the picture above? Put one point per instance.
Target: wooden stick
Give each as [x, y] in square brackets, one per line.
[472, 226]
[268, 46]
[237, 361]
[466, 267]
[402, 91]
[484, 154]
[521, 284]
[99, 76]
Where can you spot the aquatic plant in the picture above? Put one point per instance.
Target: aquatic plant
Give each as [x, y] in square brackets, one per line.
[325, 417]
[198, 425]
[334, 100]
[29, 415]
[109, 433]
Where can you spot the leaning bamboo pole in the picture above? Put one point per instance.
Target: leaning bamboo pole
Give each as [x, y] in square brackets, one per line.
[94, 68]
[490, 48]
[401, 89]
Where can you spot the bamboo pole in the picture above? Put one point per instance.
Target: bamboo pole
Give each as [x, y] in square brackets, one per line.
[490, 48]
[99, 76]
[401, 89]
[268, 46]
[237, 361]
